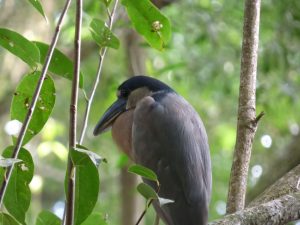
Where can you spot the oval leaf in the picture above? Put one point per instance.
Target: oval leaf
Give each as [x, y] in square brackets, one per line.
[22, 99]
[60, 64]
[149, 22]
[147, 191]
[47, 218]
[95, 219]
[17, 197]
[96, 159]
[6, 219]
[103, 35]
[86, 186]
[143, 172]
[38, 6]
[19, 46]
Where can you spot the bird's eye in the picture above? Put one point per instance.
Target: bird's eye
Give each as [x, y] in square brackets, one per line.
[122, 93]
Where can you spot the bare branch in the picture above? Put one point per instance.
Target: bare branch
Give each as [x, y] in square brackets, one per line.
[288, 184]
[98, 75]
[246, 125]
[34, 99]
[277, 212]
[71, 172]
[287, 157]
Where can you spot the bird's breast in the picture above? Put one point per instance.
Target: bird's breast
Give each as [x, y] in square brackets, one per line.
[122, 132]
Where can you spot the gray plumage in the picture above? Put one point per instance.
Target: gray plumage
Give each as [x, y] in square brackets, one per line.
[160, 130]
[169, 138]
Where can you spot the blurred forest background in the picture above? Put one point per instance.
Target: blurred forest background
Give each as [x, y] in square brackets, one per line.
[202, 63]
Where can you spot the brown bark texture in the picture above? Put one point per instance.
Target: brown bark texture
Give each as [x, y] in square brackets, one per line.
[288, 184]
[247, 121]
[277, 212]
[287, 157]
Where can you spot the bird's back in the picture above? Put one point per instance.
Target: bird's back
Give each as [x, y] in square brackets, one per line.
[169, 138]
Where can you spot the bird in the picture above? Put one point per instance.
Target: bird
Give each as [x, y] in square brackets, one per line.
[158, 129]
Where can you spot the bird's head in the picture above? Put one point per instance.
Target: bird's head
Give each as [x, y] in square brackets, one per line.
[129, 93]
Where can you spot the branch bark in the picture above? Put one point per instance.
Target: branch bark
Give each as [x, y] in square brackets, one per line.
[71, 172]
[288, 184]
[289, 154]
[277, 212]
[247, 120]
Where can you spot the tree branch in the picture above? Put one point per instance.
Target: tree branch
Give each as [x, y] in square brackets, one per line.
[34, 99]
[288, 184]
[290, 154]
[247, 120]
[98, 75]
[277, 212]
[71, 172]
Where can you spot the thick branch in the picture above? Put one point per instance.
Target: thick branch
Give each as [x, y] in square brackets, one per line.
[289, 154]
[34, 99]
[288, 184]
[277, 212]
[247, 121]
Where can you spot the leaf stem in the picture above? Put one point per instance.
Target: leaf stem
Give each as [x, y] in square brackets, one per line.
[144, 212]
[71, 172]
[98, 75]
[34, 100]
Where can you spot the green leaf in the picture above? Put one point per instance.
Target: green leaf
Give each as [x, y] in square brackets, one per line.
[38, 6]
[143, 171]
[86, 185]
[149, 22]
[47, 218]
[60, 64]
[147, 191]
[96, 159]
[22, 99]
[6, 219]
[95, 219]
[17, 197]
[19, 46]
[103, 35]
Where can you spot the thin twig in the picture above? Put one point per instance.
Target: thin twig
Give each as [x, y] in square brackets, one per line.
[246, 110]
[34, 100]
[98, 75]
[144, 212]
[71, 172]
[257, 119]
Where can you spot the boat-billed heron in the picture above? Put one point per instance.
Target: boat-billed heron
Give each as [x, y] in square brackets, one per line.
[160, 130]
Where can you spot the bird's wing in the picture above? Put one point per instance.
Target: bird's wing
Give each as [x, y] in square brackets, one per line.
[169, 137]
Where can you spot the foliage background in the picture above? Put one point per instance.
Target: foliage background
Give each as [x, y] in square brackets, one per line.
[201, 63]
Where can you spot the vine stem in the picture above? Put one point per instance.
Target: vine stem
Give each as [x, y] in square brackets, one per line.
[89, 100]
[34, 100]
[71, 171]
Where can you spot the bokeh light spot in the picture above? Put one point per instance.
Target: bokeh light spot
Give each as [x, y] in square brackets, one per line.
[36, 184]
[58, 209]
[221, 207]
[266, 141]
[256, 171]
[13, 127]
